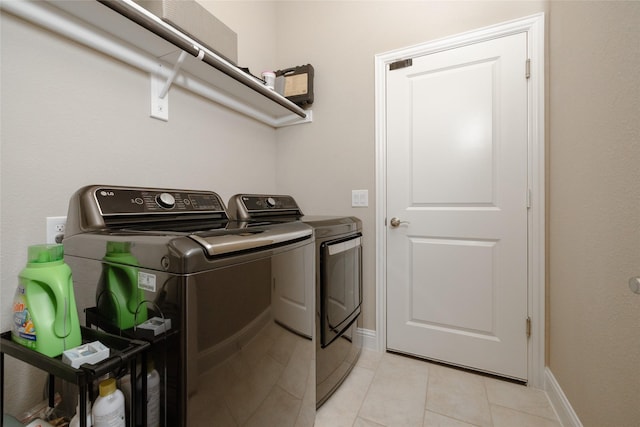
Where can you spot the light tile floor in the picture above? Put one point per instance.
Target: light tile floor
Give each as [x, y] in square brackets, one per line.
[388, 390]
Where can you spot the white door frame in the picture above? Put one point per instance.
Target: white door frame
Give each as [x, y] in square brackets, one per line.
[534, 27]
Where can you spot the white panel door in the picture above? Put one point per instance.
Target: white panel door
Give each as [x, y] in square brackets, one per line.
[457, 179]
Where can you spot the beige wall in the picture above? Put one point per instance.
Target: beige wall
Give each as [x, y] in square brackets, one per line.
[255, 23]
[595, 208]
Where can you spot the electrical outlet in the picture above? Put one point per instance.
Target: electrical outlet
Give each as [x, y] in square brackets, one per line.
[55, 228]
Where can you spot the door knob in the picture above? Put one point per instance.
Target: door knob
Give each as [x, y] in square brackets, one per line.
[395, 222]
[634, 284]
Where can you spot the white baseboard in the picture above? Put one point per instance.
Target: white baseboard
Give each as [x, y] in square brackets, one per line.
[369, 339]
[566, 414]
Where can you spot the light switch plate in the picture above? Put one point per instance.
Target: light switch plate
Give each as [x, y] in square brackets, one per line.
[359, 198]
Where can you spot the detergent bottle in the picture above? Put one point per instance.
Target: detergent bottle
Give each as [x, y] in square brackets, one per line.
[45, 317]
[118, 296]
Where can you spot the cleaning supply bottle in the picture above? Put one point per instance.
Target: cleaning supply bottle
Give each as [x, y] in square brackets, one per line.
[124, 384]
[45, 317]
[153, 395]
[108, 409]
[118, 296]
[75, 421]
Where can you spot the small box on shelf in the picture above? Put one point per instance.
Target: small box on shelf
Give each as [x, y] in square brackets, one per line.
[92, 353]
[153, 327]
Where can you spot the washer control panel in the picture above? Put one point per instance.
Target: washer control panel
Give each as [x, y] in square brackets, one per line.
[128, 201]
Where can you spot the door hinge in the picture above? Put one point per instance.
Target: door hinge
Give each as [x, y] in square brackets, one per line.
[400, 64]
[528, 327]
[527, 71]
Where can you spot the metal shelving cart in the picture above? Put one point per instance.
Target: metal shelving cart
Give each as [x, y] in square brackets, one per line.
[123, 351]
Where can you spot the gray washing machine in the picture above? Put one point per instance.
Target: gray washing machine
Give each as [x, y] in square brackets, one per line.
[338, 273]
[233, 354]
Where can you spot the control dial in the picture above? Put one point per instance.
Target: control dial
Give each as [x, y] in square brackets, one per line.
[271, 202]
[165, 200]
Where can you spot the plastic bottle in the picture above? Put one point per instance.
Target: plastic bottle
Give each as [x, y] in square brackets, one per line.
[75, 421]
[39, 423]
[118, 296]
[269, 78]
[108, 409]
[153, 395]
[45, 317]
[124, 384]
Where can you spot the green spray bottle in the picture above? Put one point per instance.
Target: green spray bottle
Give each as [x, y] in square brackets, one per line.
[118, 296]
[45, 317]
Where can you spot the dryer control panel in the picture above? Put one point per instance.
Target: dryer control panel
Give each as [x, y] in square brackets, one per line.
[252, 206]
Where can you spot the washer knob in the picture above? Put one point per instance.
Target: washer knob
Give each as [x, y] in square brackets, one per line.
[271, 202]
[165, 200]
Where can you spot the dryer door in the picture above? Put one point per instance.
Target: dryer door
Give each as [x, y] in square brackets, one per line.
[340, 285]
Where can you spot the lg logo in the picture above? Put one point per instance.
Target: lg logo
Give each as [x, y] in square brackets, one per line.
[107, 193]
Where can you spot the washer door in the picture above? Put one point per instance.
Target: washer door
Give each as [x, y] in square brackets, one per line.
[340, 285]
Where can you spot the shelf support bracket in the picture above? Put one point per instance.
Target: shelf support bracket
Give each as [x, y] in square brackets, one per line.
[293, 119]
[160, 88]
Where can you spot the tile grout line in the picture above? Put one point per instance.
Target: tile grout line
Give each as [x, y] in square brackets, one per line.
[525, 413]
[375, 372]
[486, 395]
[518, 410]
[448, 415]
[426, 394]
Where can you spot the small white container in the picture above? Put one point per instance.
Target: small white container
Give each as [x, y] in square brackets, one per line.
[108, 409]
[269, 78]
[39, 423]
[125, 386]
[75, 421]
[153, 396]
[88, 353]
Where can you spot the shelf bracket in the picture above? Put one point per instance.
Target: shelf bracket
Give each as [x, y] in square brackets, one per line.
[293, 119]
[160, 87]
